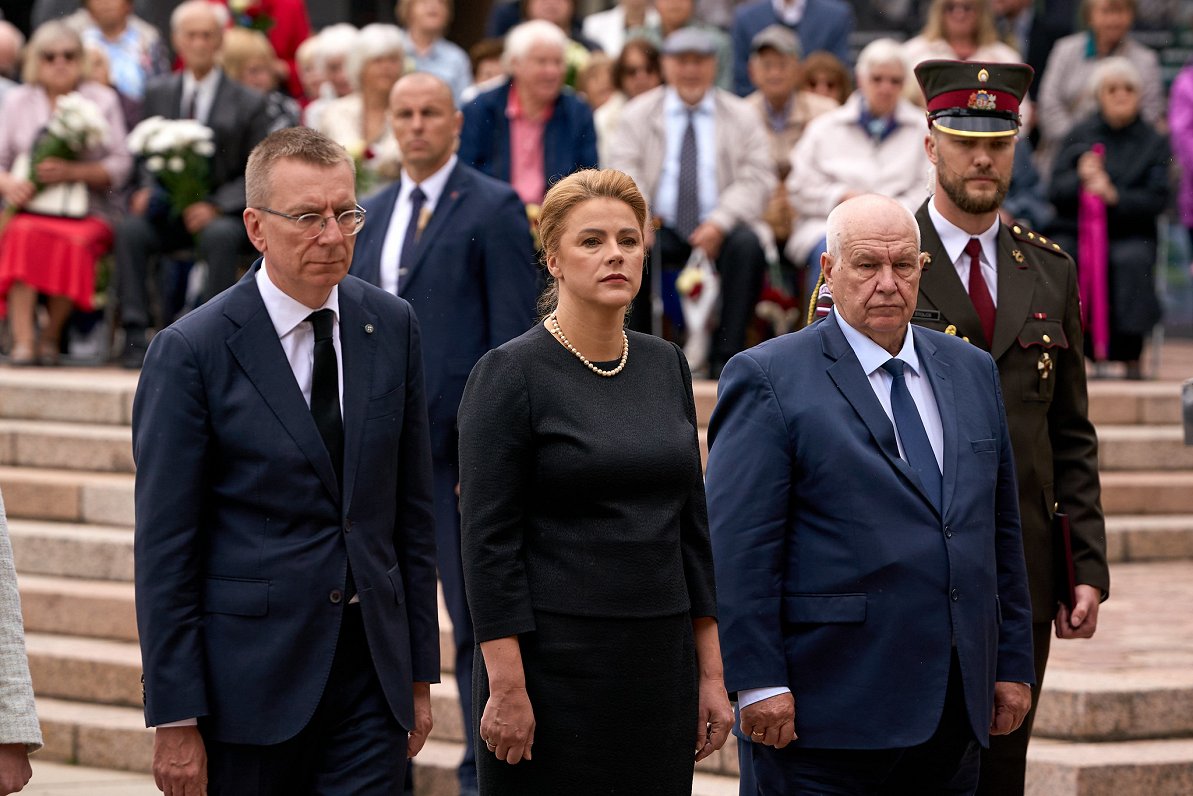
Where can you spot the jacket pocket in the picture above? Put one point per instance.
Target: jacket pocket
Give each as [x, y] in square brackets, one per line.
[820, 608]
[1041, 341]
[238, 596]
[387, 403]
[983, 445]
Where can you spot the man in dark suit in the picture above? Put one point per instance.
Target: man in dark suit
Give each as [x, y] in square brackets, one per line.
[1014, 293]
[819, 24]
[874, 644]
[237, 117]
[285, 554]
[468, 271]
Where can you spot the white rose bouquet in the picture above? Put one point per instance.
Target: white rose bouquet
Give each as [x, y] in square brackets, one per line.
[178, 154]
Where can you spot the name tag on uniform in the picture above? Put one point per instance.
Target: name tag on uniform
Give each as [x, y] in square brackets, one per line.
[926, 315]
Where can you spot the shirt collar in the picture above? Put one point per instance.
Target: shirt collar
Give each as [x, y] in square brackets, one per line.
[189, 83]
[513, 108]
[674, 106]
[432, 186]
[285, 311]
[790, 13]
[871, 354]
[955, 239]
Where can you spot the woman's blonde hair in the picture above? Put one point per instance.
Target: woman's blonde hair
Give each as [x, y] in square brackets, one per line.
[986, 32]
[242, 45]
[48, 32]
[563, 197]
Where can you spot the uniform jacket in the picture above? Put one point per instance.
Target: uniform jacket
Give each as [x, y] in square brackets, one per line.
[1056, 448]
[242, 539]
[836, 575]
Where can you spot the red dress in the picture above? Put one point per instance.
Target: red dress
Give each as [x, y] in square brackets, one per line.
[56, 256]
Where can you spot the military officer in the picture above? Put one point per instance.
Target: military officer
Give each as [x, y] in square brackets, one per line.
[1014, 293]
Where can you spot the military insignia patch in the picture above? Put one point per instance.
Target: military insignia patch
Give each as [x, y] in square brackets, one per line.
[982, 100]
[950, 329]
[1018, 255]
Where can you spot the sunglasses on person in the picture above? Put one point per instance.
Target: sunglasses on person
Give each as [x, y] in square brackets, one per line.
[634, 71]
[69, 56]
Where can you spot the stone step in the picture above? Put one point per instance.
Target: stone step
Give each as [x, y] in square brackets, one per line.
[1152, 447]
[1131, 768]
[100, 671]
[69, 446]
[73, 607]
[78, 395]
[86, 734]
[68, 496]
[1147, 492]
[1136, 537]
[99, 552]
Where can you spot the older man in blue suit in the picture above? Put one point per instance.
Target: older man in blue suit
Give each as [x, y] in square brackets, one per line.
[819, 24]
[875, 619]
[285, 554]
[455, 244]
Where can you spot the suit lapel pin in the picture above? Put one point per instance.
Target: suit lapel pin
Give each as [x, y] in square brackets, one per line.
[1018, 255]
[369, 328]
[1044, 366]
[951, 329]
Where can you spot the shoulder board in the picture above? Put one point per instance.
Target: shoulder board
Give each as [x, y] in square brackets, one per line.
[1022, 233]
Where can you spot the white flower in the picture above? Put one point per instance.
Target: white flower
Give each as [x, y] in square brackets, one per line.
[155, 163]
[205, 148]
[176, 164]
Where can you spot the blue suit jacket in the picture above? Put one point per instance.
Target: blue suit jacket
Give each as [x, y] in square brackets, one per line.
[826, 25]
[836, 576]
[473, 283]
[569, 141]
[242, 539]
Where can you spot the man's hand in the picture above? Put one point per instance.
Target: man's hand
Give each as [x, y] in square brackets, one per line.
[1082, 622]
[1011, 703]
[179, 761]
[14, 768]
[709, 237]
[423, 721]
[715, 717]
[138, 203]
[197, 216]
[770, 721]
[507, 725]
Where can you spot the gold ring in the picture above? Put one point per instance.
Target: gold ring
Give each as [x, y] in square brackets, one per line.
[758, 732]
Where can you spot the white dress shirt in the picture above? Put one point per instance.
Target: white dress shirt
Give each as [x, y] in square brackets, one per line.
[789, 13]
[206, 93]
[675, 115]
[872, 357]
[391, 248]
[955, 240]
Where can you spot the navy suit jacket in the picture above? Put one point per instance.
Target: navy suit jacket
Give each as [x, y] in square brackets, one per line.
[569, 141]
[836, 575]
[826, 25]
[473, 283]
[242, 539]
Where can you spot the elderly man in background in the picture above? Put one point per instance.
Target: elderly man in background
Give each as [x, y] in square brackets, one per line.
[701, 157]
[237, 117]
[874, 646]
[819, 24]
[20, 732]
[531, 129]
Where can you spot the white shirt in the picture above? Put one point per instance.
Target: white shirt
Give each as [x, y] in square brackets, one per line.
[872, 357]
[789, 14]
[955, 240]
[675, 115]
[206, 96]
[391, 249]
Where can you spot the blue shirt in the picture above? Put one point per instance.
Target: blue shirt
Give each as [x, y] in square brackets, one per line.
[444, 60]
[675, 115]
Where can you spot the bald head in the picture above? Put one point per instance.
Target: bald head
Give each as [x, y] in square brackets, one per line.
[866, 212]
[425, 122]
[422, 82]
[11, 42]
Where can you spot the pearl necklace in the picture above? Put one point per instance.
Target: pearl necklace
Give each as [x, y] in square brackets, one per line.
[625, 350]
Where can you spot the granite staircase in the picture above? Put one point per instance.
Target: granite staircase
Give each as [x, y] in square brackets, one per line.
[1116, 716]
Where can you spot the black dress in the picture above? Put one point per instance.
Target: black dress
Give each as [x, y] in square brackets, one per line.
[584, 533]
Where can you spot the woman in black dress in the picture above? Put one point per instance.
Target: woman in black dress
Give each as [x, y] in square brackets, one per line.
[584, 533]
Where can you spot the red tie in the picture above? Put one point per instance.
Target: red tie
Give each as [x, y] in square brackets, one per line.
[979, 293]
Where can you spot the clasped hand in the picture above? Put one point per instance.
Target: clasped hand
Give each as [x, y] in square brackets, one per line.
[771, 721]
[507, 725]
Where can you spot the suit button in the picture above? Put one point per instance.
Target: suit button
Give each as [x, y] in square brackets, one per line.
[955, 595]
[948, 532]
[336, 596]
[347, 526]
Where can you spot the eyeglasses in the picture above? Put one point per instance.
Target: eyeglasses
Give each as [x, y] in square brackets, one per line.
[311, 225]
[634, 71]
[66, 55]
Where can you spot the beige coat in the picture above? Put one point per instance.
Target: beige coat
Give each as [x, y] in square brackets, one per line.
[18, 717]
[745, 173]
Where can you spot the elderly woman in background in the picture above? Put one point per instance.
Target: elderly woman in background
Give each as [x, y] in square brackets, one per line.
[956, 30]
[41, 253]
[360, 121]
[635, 72]
[424, 23]
[874, 143]
[248, 58]
[532, 128]
[333, 44]
[1130, 175]
[1064, 97]
[134, 48]
[824, 74]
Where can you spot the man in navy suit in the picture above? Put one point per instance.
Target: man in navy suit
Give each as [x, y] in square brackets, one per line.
[285, 554]
[463, 258]
[820, 25]
[875, 619]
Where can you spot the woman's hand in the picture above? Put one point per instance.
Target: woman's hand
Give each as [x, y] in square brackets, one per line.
[715, 717]
[1090, 167]
[52, 171]
[17, 192]
[507, 725]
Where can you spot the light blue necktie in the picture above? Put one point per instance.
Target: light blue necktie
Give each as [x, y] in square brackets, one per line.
[910, 428]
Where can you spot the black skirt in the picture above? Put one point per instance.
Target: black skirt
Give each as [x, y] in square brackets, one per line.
[615, 707]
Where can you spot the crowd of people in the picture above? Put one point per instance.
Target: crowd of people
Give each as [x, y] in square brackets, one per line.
[551, 92]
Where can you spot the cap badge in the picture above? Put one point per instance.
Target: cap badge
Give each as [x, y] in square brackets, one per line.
[982, 100]
[983, 75]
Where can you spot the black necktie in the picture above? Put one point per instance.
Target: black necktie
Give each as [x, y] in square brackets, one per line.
[910, 428]
[325, 390]
[687, 204]
[417, 197]
[190, 105]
